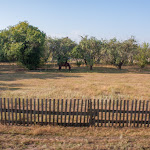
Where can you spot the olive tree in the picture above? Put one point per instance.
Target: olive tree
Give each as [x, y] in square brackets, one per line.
[91, 48]
[78, 54]
[60, 49]
[143, 54]
[119, 53]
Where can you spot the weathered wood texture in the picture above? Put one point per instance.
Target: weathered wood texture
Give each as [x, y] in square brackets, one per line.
[118, 113]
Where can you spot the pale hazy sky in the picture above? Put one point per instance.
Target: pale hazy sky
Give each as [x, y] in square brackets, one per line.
[100, 18]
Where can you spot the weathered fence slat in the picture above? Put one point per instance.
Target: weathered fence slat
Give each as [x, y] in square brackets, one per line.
[93, 121]
[81, 111]
[88, 108]
[117, 111]
[113, 112]
[109, 110]
[66, 102]
[61, 111]
[46, 111]
[53, 111]
[146, 113]
[102, 112]
[139, 113]
[143, 111]
[34, 111]
[131, 112]
[127, 113]
[124, 108]
[77, 112]
[31, 111]
[5, 111]
[120, 113]
[8, 111]
[135, 112]
[12, 111]
[27, 112]
[15, 111]
[105, 112]
[19, 109]
[57, 110]
[70, 111]
[90, 113]
[49, 111]
[42, 111]
[85, 109]
[98, 110]
[38, 110]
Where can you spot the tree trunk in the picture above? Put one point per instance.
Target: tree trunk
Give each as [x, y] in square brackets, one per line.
[91, 67]
[119, 65]
[85, 61]
[59, 67]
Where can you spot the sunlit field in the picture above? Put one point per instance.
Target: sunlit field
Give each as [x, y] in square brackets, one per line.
[49, 137]
[81, 83]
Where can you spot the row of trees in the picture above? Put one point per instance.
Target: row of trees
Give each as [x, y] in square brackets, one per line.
[29, 46]
[91, 51]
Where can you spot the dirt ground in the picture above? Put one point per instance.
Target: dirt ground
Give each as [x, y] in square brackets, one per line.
[49, 137]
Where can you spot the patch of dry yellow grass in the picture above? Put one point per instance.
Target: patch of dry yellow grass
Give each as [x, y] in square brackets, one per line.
[102, 82]
[74, 131]
[49, 137]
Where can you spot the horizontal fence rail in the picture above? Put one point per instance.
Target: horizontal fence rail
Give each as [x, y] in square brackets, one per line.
[117, 113]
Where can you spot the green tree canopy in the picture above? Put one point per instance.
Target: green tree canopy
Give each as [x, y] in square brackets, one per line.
[60, 48]
[91, 48]
[23, 43]
[4, 44]
[143, 54]
[78, 54]
[119, 53]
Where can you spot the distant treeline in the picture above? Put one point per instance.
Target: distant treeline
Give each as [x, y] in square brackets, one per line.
[31, 47]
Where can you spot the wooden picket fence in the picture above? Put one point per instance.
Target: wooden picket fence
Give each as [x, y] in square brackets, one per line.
[117, 113]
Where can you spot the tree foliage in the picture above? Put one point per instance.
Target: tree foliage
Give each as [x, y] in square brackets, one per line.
[28, 45]
[90, 50]
[78, 54]
[4, 44]
[143, 54]
[119, 53]
[60, 48]
[23, 43]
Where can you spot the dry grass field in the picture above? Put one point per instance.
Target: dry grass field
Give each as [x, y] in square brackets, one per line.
[80, 83]
[103, 81]
[49, 137]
